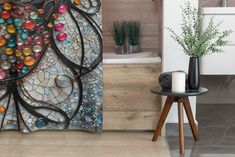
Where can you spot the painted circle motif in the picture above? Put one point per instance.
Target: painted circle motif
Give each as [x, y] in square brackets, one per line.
[22, 39]
[63, 81]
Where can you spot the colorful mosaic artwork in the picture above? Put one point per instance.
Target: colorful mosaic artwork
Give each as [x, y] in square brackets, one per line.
[51, 65]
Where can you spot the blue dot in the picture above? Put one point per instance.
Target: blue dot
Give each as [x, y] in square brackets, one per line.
[19, 30]
[4, 57]
[11, 43]
[24, 70]
[40, 123]
[66, 42]
[24, 36]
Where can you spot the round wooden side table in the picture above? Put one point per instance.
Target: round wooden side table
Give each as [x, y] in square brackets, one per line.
[183, 102]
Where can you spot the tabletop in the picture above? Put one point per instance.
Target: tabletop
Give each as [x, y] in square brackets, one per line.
[168, 92]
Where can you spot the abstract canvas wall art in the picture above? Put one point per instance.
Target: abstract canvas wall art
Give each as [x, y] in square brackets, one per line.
[51, 65]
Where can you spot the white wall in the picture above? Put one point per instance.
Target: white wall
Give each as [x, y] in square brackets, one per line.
[173, 56]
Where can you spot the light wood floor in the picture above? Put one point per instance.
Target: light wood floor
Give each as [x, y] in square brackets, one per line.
[78, 144]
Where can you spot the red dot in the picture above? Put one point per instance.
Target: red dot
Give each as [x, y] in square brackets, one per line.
[19, 65]
[29, 24]
[5, 15]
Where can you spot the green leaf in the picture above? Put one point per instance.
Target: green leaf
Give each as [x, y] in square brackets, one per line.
[196, 41]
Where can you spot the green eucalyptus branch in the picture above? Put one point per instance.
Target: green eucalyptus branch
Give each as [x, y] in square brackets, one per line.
[196, 41]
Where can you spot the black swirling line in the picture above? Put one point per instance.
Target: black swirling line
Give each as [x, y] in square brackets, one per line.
[33, 99]
[95, 27]
[7, 106]
[94, 12]
[98, 32]
[11, 82]
[82, 71]
[13, 90]
[32, 109]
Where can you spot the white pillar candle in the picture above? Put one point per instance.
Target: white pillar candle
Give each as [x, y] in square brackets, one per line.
[178, 82]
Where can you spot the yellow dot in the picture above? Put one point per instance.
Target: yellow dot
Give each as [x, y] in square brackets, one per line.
[7, 6]
[27, 51]
[9, 51]
[11, 29]
[2, 109]
[46, 41]
[18, 53]
[2, 41]
[77, 2]
[49, 25]
[29, 61]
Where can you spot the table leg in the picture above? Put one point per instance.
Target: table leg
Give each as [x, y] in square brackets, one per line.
[163, 116]
[191, 120]
[181, 125]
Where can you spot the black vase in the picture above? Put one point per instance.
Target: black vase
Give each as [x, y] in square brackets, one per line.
[194, 73]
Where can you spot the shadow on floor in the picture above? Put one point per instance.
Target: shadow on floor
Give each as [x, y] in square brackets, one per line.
[217, 133]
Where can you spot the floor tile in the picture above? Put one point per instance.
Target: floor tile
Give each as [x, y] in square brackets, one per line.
[216, 130]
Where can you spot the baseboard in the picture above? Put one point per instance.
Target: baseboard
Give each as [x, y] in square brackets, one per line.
[172, 129]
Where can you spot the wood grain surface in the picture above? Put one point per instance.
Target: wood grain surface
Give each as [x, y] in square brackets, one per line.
[79, 144]
[130, 120]
[145, 11]
[128, 102]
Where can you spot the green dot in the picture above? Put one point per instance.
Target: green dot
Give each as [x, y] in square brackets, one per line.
[40, 21]
[2, 20]
[10, 21]
[18, 22]
[33, 15]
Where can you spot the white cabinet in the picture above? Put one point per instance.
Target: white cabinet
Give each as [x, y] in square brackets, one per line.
[222, 63]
